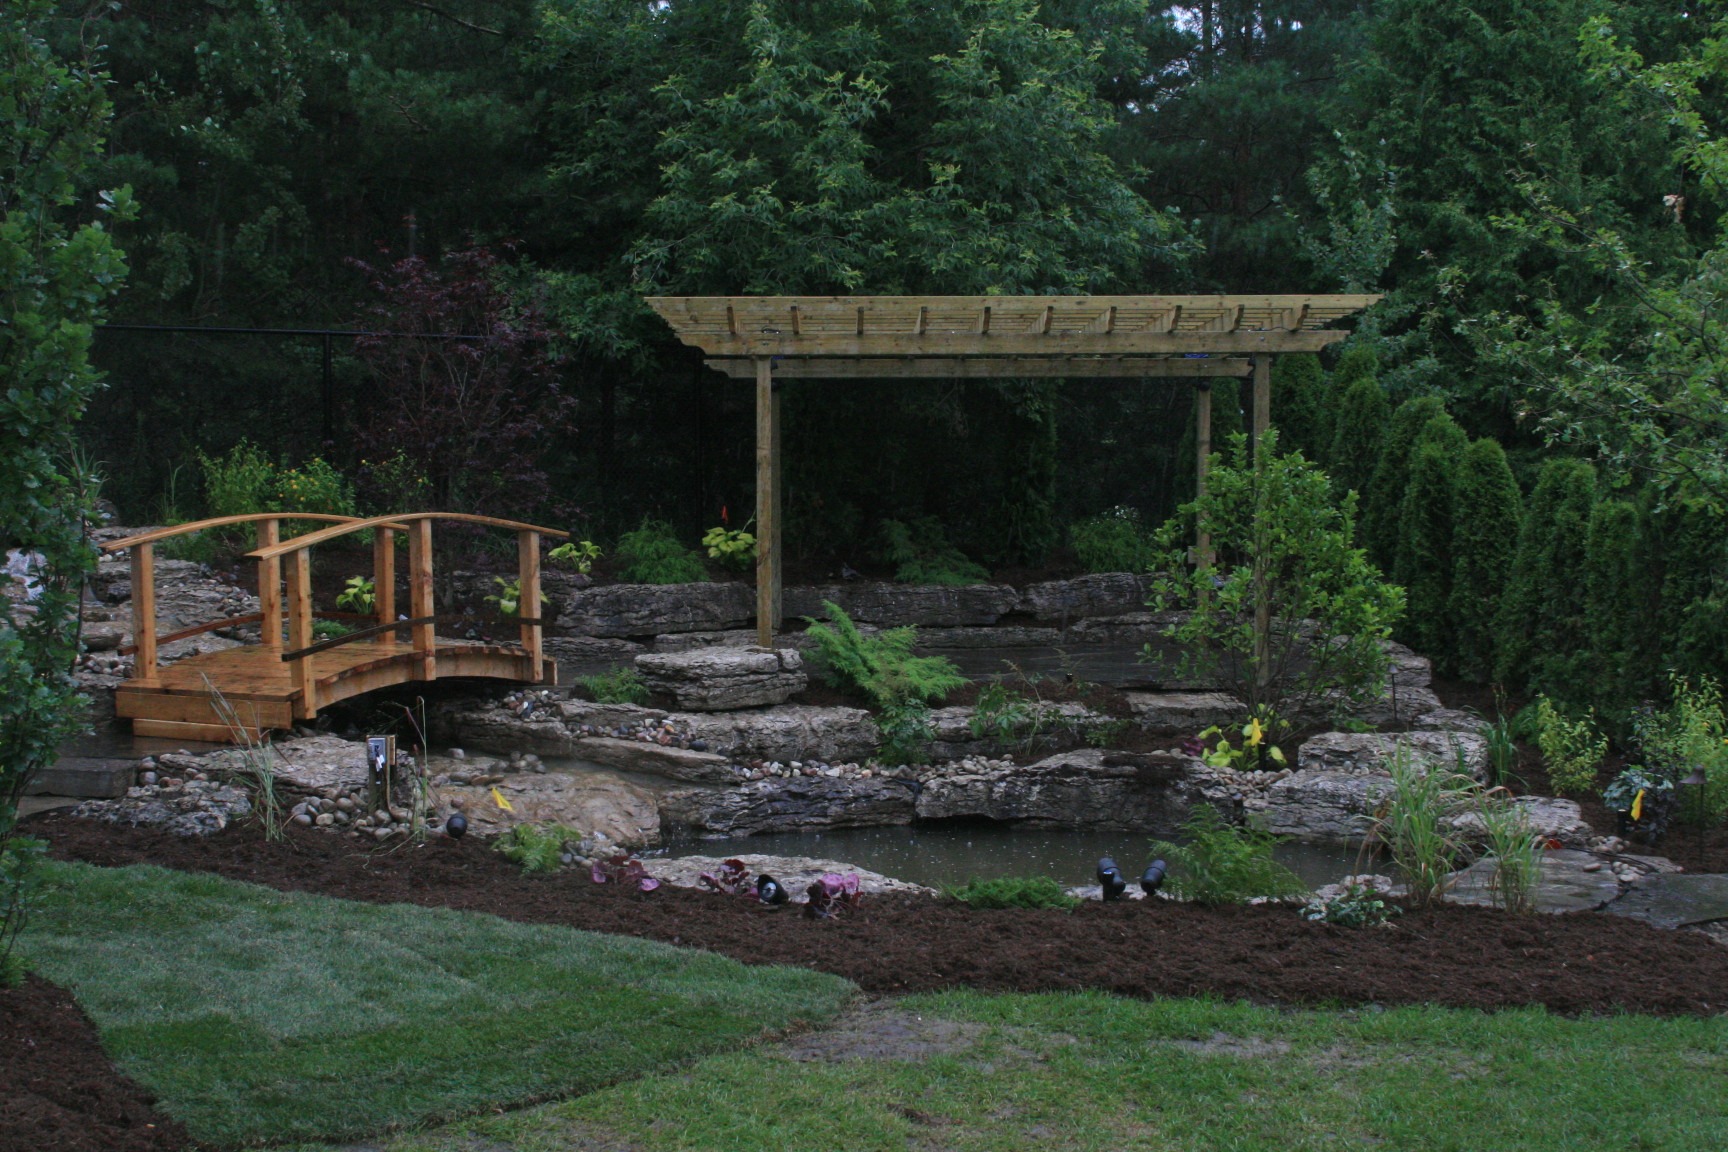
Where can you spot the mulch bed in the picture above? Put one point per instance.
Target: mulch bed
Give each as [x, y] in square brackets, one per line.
[1463, 957]
[57, 1088]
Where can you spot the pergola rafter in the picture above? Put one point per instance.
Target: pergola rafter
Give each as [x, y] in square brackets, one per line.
[766, 338]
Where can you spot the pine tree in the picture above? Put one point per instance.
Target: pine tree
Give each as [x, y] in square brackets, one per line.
[1617, 607]
[1485, 523]
[1356, 436]
[1302, 405]
[1227, 421]
[1423, 561]
[1541, 621]
[1384, 498]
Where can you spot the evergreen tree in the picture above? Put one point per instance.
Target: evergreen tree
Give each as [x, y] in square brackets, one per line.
[1356, 435]
[1692, 616]
[1423, 563]
[1357, 362]
[1616, 609]
[1227, 421]
[1385, 495]
[1486, 516]
[1541, 622]
[1302, 405]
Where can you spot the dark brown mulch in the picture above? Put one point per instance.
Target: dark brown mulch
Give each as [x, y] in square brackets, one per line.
[1463, 957]
[57, 1088]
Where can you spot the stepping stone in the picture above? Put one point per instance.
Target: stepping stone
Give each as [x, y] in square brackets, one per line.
[1673, 900]
[1564, 886]
[87, 776]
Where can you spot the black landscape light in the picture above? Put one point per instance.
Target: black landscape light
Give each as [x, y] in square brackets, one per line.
[456, 827]
[1110, 879]
[1700, 784]
[1238, 808]
[770, 891]
[1153, 878]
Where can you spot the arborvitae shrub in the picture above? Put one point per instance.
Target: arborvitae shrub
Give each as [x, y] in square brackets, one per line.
[1693, 622]
[1541, 622]
[1226, 422]
[1425, 552]
[1302, 405]
[1356, 363]
[1616, 612]
[1487, 513]
[1356, 435]
[1384, 498]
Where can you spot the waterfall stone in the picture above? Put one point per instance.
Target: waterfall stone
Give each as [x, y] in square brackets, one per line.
[788, 804]
[724, 679]
[1087, 788]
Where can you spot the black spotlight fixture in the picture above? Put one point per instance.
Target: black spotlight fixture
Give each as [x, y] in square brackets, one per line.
[1153, 877]
[456, 827]
[1110, 879]
[770, 891]
[1700, 785]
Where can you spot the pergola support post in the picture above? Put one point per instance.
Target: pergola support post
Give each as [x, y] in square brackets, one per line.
[1202, 460]
[1262, 594]
[768, 533]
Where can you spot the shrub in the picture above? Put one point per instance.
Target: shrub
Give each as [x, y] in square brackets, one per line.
[1279, 538]
[1362, 416]
[1114, 541]
[1414, 823]
[1223, 864]
[576, 555]
[1541, 622]
[1384, 497]
[240, 483]
[652, 555]
[620, 686]
[921, 554]
[1015, 892]
[358, 595]
[1689, 734]
[1618, 616]
[881, 666]
[733, 547]
[1573, 749]
[907, 731]
[1302, 404]
[538, 847]
[1485, 523]
[1645, 797]
[1002, 713]
[1426, 523]
[1358, 906]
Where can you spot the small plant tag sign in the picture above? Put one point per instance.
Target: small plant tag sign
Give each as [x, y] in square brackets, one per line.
[380, 758]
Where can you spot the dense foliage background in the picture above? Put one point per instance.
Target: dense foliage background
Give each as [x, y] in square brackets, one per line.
[1535, 185]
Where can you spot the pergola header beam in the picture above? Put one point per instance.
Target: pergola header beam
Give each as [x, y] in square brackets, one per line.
[988, 367]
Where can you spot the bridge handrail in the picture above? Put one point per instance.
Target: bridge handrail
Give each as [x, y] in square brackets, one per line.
[173, 530]
[324, 535]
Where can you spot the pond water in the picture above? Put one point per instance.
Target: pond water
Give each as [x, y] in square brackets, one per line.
[952, 852]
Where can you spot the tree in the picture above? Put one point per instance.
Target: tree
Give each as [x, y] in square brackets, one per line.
[1427, 522]
[1542, 635]
[1363, 414]
[1302, 404]
[1283, 541]
[1385, 494]
[1617, 610]
[1484, 537]
[58, 268]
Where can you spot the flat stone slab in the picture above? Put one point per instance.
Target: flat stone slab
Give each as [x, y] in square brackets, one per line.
[1568, 883]
[722, 679]
[672, 763]
[84, 776]
[786, 805]
[1191, 712]
[1368, 753]
[795, 873]
[1672, 900]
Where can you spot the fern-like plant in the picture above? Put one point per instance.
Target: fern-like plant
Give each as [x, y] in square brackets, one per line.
[881, 666]
[1015, 892]
[1219, 863]
[538, 847]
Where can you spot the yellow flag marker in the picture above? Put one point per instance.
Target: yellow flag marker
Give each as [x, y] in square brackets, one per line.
[1638, 805]
[498, 799]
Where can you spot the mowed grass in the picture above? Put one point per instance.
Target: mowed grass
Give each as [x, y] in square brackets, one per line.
[262, 1016]
[1094, 1072]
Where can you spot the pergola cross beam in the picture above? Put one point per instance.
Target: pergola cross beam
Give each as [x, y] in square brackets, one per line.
[762, 338]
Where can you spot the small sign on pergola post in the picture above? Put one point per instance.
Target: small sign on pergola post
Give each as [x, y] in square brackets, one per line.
[773, 338]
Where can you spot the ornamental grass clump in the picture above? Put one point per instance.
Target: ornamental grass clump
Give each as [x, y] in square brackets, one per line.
[1015, 892]
[1515, 846]
[1219, 863]
[1414, 823]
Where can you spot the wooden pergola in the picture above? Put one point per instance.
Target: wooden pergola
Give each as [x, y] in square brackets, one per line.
[772, 338]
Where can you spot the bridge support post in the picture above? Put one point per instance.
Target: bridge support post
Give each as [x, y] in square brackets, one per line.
[528, 599]
[144, 665]
[300, 631]
[384, 575]
[270, 586]
[420, 598]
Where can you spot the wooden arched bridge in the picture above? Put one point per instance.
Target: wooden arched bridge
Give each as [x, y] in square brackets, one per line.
[289, 677]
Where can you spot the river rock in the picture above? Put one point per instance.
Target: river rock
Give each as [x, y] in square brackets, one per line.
[891, 605]
[795, 873]
[1369, 752]
[196, 808]
[102, 635]
[723, 679]
[652, 759]
[300, 764]
[1085, 788]
[627, 815]
[789, 804]
[1099, 594]
[630, 610]
[1189, 712]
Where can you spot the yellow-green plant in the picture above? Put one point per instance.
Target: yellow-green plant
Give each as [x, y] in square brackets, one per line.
[1573, 749]
[359, 595]
[575, 554]
[1253, 751]
[509, 598]
[1687, 735]
[733, 547]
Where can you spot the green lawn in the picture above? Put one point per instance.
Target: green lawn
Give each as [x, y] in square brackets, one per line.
[257, 1015]
[1092, 1072]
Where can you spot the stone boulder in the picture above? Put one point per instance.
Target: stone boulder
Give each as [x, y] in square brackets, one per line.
[795, 873]
[1082, 789]
[629, 610]
[596, 806]
[1323, 806]
[891, 605]
[590, 649]
[1368, 753]
[953, 738]
[1183, 712]
[1569, 882]
[1552, 819]
[789, 804]
[1099, 594]
[650, 759]
[488, 725]
[1001, 636]
[790, 732]
[301, 764]
[724, 679]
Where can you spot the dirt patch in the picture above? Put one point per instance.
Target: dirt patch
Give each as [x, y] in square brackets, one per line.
[1463, 957]
[878, 1030]
[57, 1087]
[1241, 1047]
